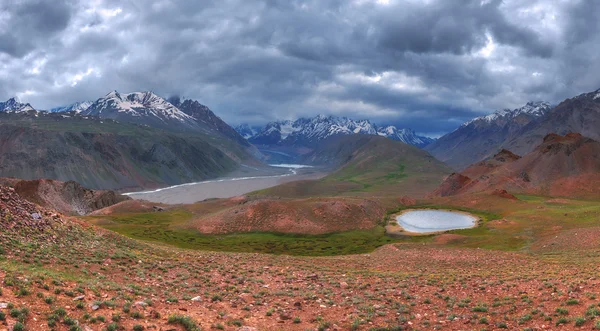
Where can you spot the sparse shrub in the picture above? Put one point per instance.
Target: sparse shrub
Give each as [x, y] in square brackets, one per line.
[480, 309]
[297, 320]
[562, 320]
[112, 327]
[19, 327]
[579, 321]
[138, 327]
[185, 321]
[571, 302]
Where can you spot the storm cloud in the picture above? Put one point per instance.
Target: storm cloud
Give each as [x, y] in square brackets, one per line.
[428, 65]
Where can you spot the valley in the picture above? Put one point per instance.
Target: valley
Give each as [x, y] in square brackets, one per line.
[234, 184]
[180, 223]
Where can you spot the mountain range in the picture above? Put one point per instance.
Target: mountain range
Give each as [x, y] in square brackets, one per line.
[520, 130]
[566, 165]
[134, 140]
[13, 105]
[309, 132]
[483, 136]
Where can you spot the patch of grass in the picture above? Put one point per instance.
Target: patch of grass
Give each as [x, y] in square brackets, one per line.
[163, 227]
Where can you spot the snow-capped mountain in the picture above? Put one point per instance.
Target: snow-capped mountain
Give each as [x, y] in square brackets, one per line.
[12, 105]
[246, 130]
[141, 108]
[408, 136]
[206, 118]
[531, 109]
[309, 131]
[482, 136]
[77, 107]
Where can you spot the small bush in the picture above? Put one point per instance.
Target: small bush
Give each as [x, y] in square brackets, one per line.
[185, 321]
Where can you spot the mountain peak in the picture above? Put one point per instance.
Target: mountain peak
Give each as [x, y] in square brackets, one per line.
[310, 131]
[15, 106]
[139, 107]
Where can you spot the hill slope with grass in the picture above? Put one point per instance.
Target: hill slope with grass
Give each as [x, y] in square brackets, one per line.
[368, 165]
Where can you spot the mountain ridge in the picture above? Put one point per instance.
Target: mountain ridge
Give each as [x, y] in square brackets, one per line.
[307, 132]
[483, 136]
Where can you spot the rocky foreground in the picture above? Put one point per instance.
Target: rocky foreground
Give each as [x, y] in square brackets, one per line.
[60, 274]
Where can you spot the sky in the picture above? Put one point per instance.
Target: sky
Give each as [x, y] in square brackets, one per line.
[422, 64]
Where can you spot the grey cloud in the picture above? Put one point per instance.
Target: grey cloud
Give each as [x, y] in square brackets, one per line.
[27, 23]
[266, 59]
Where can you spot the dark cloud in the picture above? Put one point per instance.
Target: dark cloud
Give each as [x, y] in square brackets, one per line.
[25, 24]
[428, 65]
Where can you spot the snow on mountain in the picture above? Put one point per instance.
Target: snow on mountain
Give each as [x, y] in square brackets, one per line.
[12, 105]
[77, 107]
[307, 131]
[532, 109]
[139, 107]
[407, 136]
[246, 130]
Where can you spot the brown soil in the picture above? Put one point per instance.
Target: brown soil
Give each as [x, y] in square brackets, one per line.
[66, 197]
[504, 194]
[308, 216]
[561, 166]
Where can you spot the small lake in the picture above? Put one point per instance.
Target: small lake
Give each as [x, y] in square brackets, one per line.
[424, 221]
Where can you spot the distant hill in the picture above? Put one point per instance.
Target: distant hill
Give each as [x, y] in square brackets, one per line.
[366, 164]
[560, 166]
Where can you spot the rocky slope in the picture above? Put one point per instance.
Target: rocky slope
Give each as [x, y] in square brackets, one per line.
[206, 117]
[484, 136]
[580, 114]
[66, 197]
[560, 166]
[309, 132]
[103, 154]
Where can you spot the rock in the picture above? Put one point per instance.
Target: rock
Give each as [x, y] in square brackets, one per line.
[79, 298]
[344, 285]
[285, 316]
[247, 328]
[95, 307]
[407, 201]
[197, 299]
[3, 305]
[158, 208]
[313, 276]
[140, 303]
[298, 305]
[36, 216]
